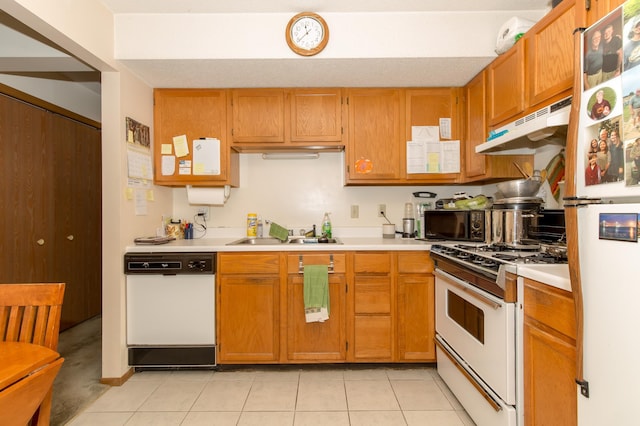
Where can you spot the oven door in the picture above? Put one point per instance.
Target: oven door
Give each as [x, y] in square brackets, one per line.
[480, 328]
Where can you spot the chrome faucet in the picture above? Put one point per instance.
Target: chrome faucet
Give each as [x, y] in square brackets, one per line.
[309, 233]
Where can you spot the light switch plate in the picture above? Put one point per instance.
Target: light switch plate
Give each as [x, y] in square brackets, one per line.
[355, 211]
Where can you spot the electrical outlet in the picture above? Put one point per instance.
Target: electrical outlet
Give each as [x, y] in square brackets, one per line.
[382, 210]
[203, 211]
[355, 211]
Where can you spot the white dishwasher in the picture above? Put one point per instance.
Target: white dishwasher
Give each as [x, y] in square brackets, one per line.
[171, 309]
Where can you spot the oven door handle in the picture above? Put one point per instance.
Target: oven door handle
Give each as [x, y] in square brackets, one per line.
[468, 290]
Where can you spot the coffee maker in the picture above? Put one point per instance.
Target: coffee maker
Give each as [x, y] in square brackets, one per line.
[423, 200]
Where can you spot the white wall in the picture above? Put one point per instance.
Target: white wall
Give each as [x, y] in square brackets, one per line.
[296, 193]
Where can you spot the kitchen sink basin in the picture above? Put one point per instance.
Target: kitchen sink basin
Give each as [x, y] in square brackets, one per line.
[268, 241]
[314, 240]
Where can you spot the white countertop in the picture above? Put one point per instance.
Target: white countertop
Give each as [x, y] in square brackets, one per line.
[220, 245]
[555, 275]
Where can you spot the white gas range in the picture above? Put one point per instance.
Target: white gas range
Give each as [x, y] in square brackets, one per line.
[479, 322]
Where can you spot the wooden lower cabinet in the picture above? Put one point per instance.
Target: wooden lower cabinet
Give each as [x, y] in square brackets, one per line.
[549, 356]
[248, 308]
[416, 307]
[373, 337]
[381, 308]
[316, 341]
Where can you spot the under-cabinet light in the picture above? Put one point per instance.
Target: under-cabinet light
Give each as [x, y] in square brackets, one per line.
[290, 155]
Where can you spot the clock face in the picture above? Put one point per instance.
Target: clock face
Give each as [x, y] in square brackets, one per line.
[307, 34]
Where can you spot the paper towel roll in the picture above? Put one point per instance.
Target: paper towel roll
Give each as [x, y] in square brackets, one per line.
[207, 195]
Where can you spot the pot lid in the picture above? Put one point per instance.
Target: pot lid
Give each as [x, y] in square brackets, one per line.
[518, 203]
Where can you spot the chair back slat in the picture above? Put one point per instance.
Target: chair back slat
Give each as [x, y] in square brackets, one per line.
[30, 313]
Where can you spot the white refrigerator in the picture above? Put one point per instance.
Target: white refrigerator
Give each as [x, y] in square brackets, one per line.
[607, 207]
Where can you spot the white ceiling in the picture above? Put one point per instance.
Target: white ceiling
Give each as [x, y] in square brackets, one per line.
[343, 6]
[261, 72]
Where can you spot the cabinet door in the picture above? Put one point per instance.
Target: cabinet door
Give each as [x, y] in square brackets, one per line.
[416, 308]
[425, 107]
[77, 181]
[505, 76]
[550, 54]
[372, 150]
[195, 113]
[600, 8]
[248, 312]
[476, 120]
[27, 236]
[316, 341]
[316, 115]
[549, 355]
[258, 116]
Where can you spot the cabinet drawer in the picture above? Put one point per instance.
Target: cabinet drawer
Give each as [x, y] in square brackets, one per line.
[372, 263]
[550, 306]
[373, 337]
[248, 263]
[414, 262]
[372, 295]
[307, 258]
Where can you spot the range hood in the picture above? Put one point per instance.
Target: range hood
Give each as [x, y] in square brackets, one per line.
[544, 126]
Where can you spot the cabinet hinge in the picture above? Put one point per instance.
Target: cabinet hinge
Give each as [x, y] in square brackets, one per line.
[584, 387]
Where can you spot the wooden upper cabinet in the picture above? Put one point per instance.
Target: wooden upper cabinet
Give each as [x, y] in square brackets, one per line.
[316, 115]
[279, 119]
[600, 8]
[425, 107]
[505, 79]
[550, 66]
[476, 126]
[373, 153]
[195, 113]
[258, 116]
[480, 166]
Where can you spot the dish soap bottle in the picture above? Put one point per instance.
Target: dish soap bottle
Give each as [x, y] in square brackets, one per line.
[326, 225]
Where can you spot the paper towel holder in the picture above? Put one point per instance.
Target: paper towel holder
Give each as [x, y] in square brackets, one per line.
[226, 193]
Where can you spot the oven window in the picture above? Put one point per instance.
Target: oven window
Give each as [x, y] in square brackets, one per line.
[467, 315]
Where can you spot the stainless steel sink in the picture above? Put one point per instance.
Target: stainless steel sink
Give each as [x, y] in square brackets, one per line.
[268, 241]
[314, 240]
[264, 241]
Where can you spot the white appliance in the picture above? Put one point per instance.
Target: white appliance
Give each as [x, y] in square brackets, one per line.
[609, 252]
[479, 327]
[171, 309]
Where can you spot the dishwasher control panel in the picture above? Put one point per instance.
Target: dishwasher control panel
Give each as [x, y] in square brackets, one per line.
[170, 263]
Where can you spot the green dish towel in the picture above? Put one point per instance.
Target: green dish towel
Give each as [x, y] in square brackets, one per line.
[279, 232]
[316, 293]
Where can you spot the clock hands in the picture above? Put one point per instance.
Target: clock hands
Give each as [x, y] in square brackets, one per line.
[305, 34]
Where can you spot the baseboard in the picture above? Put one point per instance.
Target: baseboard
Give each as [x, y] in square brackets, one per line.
[117, 381]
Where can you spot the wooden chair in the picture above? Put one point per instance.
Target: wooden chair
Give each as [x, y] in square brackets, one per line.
[30, 313]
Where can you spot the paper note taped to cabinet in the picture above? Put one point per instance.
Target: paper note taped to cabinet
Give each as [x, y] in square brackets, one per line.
[206, 156]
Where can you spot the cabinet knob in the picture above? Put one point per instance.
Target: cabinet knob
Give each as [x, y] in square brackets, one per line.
[40, 242]
[70, 237]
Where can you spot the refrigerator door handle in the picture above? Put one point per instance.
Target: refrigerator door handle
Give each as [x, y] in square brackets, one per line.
[580, 201]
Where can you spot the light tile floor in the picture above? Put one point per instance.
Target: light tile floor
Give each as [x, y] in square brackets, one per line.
[380, 395]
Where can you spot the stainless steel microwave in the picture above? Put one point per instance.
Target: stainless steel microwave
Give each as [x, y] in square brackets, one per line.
[459, 225]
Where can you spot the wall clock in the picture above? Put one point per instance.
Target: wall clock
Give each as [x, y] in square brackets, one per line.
[307, 33]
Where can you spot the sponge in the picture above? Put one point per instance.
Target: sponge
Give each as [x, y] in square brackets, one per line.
[278, 232]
